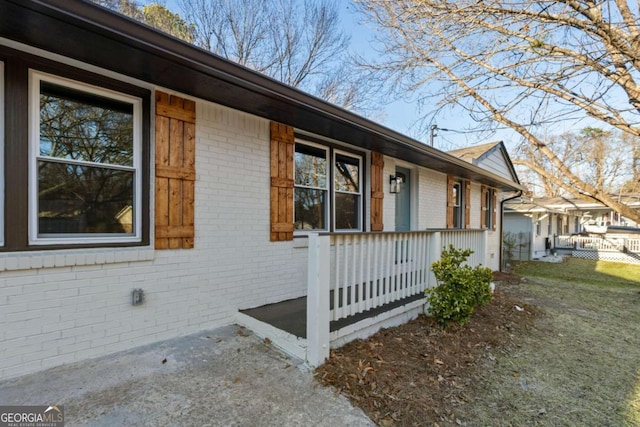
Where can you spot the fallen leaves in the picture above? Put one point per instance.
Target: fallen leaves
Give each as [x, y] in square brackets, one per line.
[418, 373]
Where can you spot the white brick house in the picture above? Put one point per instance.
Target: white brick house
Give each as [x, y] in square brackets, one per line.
[209, 230]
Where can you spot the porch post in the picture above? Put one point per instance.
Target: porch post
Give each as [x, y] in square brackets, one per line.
[483, 247]
[435, 251]
[318, 299]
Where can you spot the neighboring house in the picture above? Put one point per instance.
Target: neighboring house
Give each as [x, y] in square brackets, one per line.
[541, 223]
[530, 227]
[594, 212]
[492, 157]
[134, 161]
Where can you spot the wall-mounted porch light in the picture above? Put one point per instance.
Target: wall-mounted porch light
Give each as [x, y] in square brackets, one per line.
[395, 184]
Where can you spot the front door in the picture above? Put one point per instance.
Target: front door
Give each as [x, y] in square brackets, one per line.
[403, 200]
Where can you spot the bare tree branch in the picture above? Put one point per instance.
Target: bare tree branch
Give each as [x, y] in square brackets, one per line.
[298, 42]
[522, 64]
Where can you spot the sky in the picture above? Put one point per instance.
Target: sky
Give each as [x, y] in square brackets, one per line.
[403, 115]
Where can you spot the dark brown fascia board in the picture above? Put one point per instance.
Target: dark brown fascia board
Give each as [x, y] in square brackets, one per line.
[89, 33]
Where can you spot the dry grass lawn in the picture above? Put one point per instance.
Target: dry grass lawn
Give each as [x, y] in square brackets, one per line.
[574, 360]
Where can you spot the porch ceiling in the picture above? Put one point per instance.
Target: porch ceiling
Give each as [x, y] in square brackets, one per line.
[91, 34]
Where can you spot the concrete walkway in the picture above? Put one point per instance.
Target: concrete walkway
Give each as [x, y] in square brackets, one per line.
[223, 377]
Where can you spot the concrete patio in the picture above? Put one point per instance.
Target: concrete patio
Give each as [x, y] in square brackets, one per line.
[222, 377]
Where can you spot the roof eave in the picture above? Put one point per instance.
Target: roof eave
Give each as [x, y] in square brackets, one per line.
[67, 27]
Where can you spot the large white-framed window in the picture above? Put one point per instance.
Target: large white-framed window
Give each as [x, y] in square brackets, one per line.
[327, 189]
[85, 163]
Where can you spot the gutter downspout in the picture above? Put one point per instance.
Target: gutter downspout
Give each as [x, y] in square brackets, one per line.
[518, 194]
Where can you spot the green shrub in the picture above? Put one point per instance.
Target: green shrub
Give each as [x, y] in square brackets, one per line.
[460, 288]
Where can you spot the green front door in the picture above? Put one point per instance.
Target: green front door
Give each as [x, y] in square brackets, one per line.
[403, 200]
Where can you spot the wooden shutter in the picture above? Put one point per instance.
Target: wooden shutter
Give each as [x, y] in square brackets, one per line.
[467, 204]
[377, 192]
[282, 143]
[175, 171]
[494, 210]
[450, 201]
[483, 206]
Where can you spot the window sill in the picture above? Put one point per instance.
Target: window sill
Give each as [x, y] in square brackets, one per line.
[13, 261]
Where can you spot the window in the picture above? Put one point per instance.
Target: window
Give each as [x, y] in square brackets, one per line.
[488, 208]
[549, 226]
[457, 205]
[311, 187]
[322, 192]
[85, 163]
[347, 192]
[538, 227]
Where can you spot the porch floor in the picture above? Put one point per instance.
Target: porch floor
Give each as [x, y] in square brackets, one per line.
[291, 315]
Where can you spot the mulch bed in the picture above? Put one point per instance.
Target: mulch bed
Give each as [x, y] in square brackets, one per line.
[418, 373]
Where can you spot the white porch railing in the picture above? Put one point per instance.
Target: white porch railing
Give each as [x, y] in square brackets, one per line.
[564, 242]
[475, 240]
[598, 243]
[633, 245]
[369, 270]
[355, 272]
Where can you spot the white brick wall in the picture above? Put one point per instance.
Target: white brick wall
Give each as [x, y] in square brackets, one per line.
[494, 238]
[476, 205]
[432, 199]
[58, 307]
[430, 190]
[389, 202]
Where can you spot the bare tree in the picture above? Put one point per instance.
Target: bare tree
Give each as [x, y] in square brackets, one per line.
[520, 64]
[631, 149]
[155, 15]
[600, 158]
[298, 42]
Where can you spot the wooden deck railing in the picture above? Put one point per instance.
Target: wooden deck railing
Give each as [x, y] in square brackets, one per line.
[350, 273]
